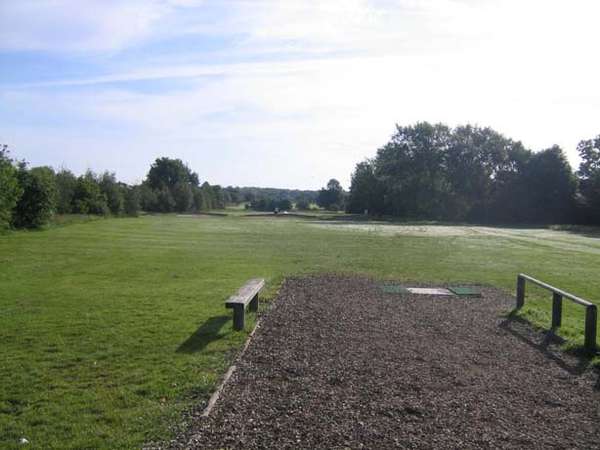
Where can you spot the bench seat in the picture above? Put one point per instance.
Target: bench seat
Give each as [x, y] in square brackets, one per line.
[247, 295]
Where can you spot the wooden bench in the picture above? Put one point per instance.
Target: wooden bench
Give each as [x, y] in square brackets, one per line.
[247, 295]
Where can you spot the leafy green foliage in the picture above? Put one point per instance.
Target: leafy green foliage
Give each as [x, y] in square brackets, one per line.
[88, 197]
[464, 174]
[112, 191]
[131, 202]
[331, 197]
[167, 172]
[66, 184]
[10, 190]
[171, 186]
[589, 173]
[36, 205]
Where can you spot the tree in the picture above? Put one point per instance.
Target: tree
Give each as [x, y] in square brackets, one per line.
[589, 177]
[284, 204]
[182, 196]
[466, 173]
[37, 204]
[167, 172]
[66, 183]
[110, 188]
[10, 190]
[333, 194]
[303, 203]
[164, 200]
[148, 198]
[88, 197]
[131, 196]
[366, 193]
[550, 186]
[411, 170]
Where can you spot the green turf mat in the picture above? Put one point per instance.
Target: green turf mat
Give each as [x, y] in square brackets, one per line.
[393, 289]
[466, 291]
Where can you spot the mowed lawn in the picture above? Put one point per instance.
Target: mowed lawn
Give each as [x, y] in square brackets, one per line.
[110, 329]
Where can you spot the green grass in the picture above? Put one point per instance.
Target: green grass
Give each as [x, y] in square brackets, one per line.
[111, 328]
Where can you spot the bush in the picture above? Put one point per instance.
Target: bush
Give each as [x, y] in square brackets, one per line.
[66, 183]
[131, 200]
[10, 190]
[164, 200]
[111, 190]
[183, 197]
[88, 198]
[36, 206]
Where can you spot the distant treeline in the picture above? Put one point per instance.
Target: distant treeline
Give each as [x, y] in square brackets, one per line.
[269, 199]
[29, 197]
[476, 174]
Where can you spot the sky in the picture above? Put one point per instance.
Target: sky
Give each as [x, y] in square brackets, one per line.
[286, 93]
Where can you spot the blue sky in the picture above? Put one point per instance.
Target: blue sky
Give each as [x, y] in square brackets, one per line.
[286, 93]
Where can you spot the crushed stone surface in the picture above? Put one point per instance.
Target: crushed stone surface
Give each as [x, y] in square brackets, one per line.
[337, 363]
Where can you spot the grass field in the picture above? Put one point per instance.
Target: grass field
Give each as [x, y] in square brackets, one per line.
[110, 328]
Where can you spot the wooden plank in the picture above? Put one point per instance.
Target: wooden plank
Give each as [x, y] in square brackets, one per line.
[590, 327]
[520, 291]
[246, 293]
[558, 291]
[556, 310]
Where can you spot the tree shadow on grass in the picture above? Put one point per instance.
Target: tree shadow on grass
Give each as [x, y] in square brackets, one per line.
[208, 332]
[576, 361]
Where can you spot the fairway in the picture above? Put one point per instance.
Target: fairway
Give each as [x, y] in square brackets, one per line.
[111, 329]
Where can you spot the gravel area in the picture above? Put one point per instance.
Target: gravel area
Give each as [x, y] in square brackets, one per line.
[337, 363]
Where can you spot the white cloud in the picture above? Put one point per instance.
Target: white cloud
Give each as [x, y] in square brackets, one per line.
[524, 68]
[67, 25]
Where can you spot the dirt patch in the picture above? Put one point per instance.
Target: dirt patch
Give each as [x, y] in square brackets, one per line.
[337, 363]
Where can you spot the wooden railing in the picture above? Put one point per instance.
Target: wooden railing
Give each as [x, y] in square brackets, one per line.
[557, 297]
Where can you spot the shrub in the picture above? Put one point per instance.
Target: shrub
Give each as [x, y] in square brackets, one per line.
[111, 190]
[37, 204]
[10, 190]
[88, 198]
[164, 200]
[131, 200]
[66, 183]
[182, 196]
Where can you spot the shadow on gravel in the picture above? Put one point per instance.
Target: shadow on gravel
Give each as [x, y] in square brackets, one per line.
[522, 330]
[208, 332]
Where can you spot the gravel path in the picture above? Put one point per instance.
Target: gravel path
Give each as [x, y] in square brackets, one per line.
[337, 363]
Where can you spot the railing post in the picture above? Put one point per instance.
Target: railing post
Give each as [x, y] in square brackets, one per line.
[556, 310]
[520, 291]
[590, 327]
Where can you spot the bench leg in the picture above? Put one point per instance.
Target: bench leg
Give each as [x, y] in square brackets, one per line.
[253, 304]
[238, 317]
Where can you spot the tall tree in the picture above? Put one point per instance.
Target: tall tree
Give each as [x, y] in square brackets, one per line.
[411, 168]
[550, 186]
[331, 197]
[167, 172]
[589, 176]
[365, 190]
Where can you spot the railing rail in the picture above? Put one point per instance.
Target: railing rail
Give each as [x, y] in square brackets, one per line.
[557, 296]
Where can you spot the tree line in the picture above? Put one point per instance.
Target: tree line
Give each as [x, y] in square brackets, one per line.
[475, 174]
[29, 197]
